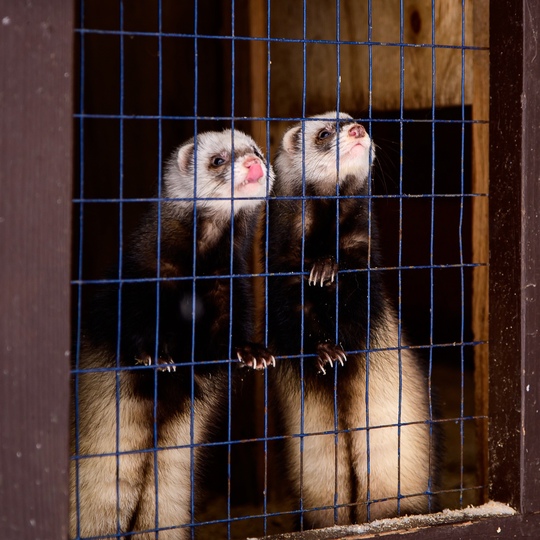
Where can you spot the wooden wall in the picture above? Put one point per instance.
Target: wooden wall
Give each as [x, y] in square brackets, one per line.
[328, 80]
[36, 85]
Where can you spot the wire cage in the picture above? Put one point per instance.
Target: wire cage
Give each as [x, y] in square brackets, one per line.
[153, 74]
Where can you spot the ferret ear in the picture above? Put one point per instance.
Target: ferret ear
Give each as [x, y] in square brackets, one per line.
[184, 157]
[291, 139]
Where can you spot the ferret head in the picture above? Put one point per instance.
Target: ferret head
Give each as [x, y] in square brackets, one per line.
[336, 148]
[221, 167]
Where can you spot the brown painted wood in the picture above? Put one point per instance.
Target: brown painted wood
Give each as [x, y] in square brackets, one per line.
[530, 266]
[513, 226]
[36, 77]
[505, 227]
[258, 64]
[257, 15]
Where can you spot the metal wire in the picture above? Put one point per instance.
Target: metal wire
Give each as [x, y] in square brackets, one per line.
[430, 348]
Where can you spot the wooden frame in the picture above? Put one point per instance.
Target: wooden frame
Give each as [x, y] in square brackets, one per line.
[35, 192]
[36, 172]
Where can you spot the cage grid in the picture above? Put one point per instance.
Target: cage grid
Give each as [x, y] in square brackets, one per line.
[195, 119]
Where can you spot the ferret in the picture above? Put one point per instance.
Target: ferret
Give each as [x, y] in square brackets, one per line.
[144, 394]
[353, 398]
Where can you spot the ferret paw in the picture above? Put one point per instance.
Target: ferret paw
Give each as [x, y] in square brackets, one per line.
[166, 363]
[163, 361]
[328, 354]
[145, 360]
[323, 272]
[255, 356]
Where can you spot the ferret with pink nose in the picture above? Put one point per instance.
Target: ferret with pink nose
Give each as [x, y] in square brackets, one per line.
[152, 376]
[351, 396]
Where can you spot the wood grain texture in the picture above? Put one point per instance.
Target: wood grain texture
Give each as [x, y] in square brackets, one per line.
[35, 207]
[480, 231]
[325, 76]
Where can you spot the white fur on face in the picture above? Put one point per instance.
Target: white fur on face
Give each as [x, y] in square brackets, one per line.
[340, 154]
[213, 179]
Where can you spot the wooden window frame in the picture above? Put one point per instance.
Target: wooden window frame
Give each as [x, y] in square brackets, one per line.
[36, 170]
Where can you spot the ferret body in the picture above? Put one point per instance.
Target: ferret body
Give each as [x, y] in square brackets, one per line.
[141, 401]
[358, 442]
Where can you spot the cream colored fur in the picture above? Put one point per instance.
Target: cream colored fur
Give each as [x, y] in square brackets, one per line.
[388, 408]
[112, 490]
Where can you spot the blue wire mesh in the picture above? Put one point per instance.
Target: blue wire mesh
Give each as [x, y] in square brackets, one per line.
[108, 132]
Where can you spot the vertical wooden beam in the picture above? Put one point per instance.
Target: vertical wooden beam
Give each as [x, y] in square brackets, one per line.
[36, 76]
[515, 254]
[258, 51]
[511, 84]
[530, 264]
[258, 87]
[480, 229]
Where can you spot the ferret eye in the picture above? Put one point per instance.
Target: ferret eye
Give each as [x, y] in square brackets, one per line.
[324, 134]
[257, 153]
[217, 161]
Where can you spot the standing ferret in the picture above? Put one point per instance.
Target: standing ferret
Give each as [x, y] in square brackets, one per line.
[136, 397]
[365, 450]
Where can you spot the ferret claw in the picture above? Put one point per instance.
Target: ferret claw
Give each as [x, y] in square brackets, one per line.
[166, 363]
[167, 368]
[328, 354]
[255, 356]
[328, 360]
[323, 272]
[143, 361]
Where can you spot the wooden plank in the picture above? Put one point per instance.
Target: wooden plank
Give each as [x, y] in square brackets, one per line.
[258, 61]
[258, 97]
[322, 83]
[514, 269]
[36, 77]
[505, 332]
[480, 231]
[516, 526]
[530, 265]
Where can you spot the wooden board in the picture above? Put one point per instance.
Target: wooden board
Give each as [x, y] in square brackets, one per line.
[36, 78]
[342, 74]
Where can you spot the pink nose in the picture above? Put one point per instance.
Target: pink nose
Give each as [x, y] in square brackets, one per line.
[255, 171]
[357, 131]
